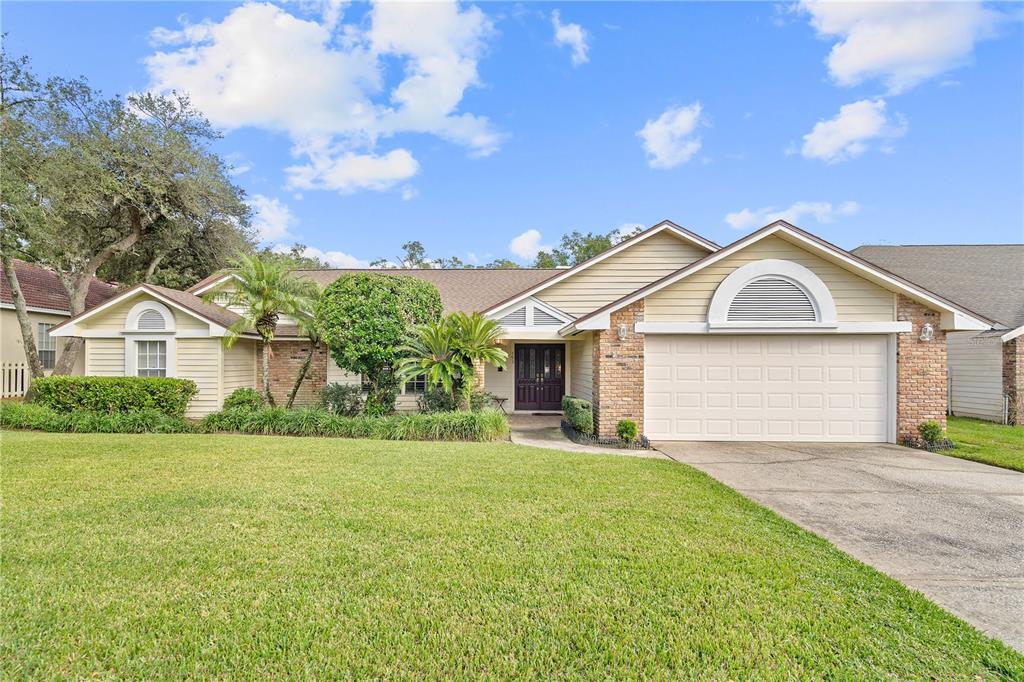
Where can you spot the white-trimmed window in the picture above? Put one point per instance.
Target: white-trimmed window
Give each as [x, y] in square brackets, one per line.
[46, 345]
[151, 358]
[417, 384]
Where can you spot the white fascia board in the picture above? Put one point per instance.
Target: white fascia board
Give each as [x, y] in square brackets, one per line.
[215, 283]
[36, 309]
[773, 328]
[618, 248]
[956, 321]
[813, 246]
[1012, 334]
[531, 333]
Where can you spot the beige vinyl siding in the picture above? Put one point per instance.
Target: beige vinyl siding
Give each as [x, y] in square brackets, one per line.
[200, 360]
[104, 357]
[975, 375]
[582, 367]
[621, 274]
[239, 366]
[113, 319]
[856, 299]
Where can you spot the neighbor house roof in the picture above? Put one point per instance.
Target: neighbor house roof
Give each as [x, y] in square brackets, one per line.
[466, 289]
[987, 278]
[43, 290]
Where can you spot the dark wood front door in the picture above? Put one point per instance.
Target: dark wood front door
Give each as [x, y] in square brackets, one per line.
[540, 376]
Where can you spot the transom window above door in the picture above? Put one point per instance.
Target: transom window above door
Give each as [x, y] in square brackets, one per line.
[151, 358]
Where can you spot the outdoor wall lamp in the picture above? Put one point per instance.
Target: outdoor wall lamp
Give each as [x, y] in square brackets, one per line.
[927, 332]
[622, 331]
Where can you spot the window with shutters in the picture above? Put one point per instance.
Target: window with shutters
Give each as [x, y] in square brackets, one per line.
[771, 299]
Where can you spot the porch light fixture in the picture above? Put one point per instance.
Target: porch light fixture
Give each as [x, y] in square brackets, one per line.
[622, 331]
[927, 332]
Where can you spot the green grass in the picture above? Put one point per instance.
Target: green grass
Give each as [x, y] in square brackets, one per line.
[996, 444]
[216, 556]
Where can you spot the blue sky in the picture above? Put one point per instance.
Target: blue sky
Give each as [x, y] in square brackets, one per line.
[486, 131]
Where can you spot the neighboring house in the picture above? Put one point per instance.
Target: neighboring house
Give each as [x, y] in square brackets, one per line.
[48, 305]
[778, 336]
[986, 369]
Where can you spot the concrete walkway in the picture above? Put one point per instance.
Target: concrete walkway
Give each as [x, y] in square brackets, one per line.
[950, 528]
[545, 432]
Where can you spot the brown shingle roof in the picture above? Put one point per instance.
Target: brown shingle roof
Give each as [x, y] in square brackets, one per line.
[986, 278]
[209, 311]
[42, 289]
[466, 290]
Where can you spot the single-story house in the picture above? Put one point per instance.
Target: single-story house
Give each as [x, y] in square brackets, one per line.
[777, 336]
[48, 305]
[986, 369]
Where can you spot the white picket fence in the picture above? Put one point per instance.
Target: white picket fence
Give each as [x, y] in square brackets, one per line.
[14, 378]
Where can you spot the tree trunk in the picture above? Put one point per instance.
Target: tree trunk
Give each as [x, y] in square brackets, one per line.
[153, 265]
[302, 374]
[266, 374]
[28, 339]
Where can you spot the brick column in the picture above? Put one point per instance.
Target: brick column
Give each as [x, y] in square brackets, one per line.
[921, 386]
[1013, 379]
[480, 375]
[285, 360]
[618, 366]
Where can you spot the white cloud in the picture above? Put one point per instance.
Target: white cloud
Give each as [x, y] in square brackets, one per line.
[901, 43]
[336, 259]
[324, 84]
[821, 211]
[346, 172]
[669, 140]
[271, 218]
[573, 35]
[409, 193]
[849, 132]
[527, 245]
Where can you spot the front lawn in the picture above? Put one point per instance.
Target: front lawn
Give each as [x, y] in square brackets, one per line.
[215, 556]
[996, 444]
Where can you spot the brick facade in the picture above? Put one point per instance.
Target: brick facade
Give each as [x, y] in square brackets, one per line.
[285, 360]
[1013, 379]
[618, 366]
[921, 386]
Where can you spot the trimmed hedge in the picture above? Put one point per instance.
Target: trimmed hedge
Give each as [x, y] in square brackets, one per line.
[41, 418]
[114, 394]
[486, 425]
[579, 413]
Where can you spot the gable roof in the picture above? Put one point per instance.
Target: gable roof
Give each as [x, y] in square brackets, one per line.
[852, 262]
[189, 303]
[42, 289]
[988, 278]
[564, 273]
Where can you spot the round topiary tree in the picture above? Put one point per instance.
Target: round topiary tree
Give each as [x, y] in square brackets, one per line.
[366, 318]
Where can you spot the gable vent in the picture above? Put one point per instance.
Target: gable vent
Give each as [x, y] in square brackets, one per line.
[151, 319]
[771, 299]
[541, 317]
[516, 318]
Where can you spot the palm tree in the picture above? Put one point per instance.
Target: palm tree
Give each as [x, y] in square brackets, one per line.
[308, 327]
[266, 290]
[447, 351]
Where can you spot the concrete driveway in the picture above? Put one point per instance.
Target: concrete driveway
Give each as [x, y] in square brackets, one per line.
[949, 528]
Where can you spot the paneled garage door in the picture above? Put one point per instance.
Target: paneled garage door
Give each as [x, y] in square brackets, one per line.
[785, 388]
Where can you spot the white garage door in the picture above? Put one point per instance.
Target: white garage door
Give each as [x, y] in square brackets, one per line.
[785, 388]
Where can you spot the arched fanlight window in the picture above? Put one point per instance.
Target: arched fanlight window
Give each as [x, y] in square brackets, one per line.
[771, 298]
[772, 293]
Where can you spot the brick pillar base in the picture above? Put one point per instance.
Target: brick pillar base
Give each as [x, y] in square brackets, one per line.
[285, 360]
[480, 375]
[1013, 379]
[618, 366]
[921, 386]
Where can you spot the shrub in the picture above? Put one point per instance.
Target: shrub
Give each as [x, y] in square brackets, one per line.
[436, 399]
[246, 398]
[580, 414]
[365, 318]
[627, 430]
[42, 418]
[343, 399]
[450, 426]
[931, 432]
[114, 394]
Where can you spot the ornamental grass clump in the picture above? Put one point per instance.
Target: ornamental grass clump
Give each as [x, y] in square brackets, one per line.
[37, 417]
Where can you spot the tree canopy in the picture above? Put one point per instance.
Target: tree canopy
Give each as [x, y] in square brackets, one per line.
[364, 319]
[576, 247]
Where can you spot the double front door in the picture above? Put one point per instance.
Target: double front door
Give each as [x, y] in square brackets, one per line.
[540, 376]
